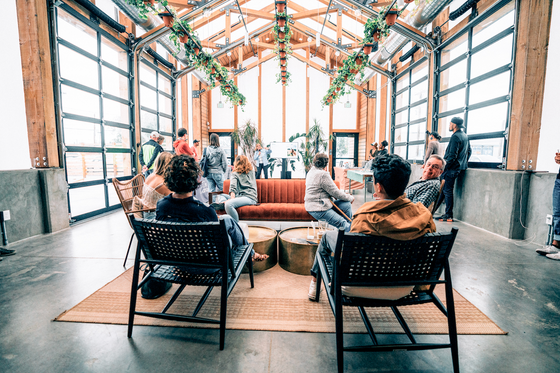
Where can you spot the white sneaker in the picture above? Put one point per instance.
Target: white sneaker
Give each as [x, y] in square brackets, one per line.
[554, 256]
[312, 290]
[549, 249]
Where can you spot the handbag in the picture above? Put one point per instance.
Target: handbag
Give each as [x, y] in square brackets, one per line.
[204, 164]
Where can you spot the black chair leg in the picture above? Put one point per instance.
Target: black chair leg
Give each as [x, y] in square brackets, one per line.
[250, 265]
[339, 336]
[128, 250]
[223, 313]
[451, 320]
[134, 292]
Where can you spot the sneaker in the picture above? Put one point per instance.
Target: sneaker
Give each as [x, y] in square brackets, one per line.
[554, 256]
[6, 252]
[312, 290]
[444, 218]
[549, 249]
[218, 206]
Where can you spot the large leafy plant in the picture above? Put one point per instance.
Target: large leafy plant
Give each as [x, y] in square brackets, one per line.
[316, 141]
[246, 138]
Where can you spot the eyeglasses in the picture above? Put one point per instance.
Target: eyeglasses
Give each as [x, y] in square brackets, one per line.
[434, 166]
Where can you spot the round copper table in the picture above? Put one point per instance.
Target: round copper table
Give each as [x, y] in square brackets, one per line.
[293, 256]
[264, 242]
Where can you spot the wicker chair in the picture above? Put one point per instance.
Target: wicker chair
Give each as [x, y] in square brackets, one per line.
[197, 254]
[126, 191]
[369, 261]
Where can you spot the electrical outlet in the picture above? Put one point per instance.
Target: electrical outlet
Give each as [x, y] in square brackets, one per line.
[5, 215]
[549, 219]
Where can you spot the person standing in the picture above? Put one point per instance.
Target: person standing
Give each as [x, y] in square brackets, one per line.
[457, 157]
[181, 145]
[261, 160]
[149, 152]
[217, 164]
[195, 144]
[434, 147]
[553, 251]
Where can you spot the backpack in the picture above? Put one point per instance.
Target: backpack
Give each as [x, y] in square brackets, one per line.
[204, 164]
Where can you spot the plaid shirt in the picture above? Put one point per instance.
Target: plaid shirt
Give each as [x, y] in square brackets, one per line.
[424, 191]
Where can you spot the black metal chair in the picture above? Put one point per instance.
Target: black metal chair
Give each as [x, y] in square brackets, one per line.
[366, 261]
[197, 254]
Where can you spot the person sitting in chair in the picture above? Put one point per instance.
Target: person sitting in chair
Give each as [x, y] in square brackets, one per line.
[181, 178]
[391, 215]
[426, 189]
[319, 189]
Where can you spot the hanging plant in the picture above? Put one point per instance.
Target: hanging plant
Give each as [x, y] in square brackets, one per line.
[281, 19]
[281, 5]
[284, 78]
[390, 15]
[144, 7]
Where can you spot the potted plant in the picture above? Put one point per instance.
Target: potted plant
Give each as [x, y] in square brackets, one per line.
[167, 18]
[391, 15]
[280, 5]
[281, 19]
[246, 137]
[144, 7]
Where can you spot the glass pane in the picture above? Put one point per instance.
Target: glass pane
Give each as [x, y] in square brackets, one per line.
[84, 167]
[78, 68]
[417, 132]
[118, 164]
[443, 125]
[88, 199]
[400, 134]
[148, 120]
[452, 101]
[164, 84]
[74, 31]
[403, 82]
[225, 143]
[420, 72]
[78, 133]
[402, 100]
[78, 102]
[113, 54]
[400, 151]
[147, 75]
[493, 25]
[488, 150]
[167, 143]
[165, 124]
[117, 137]
[113, 198]
[115, 111]
[418, 112]
[416, 152]
[455, 49]
[165, 105]
[492, 57]
[419, 92]
[148, 98]
[453, 75]
[345, 147]
[145, 136]
[488, 119]
[490, 88]
[114, 83]
[401, 117]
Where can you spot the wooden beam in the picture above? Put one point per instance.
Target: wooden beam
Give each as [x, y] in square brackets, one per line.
[228, 27]
[311, 13]
[533, 31]
[283, 113]
[307, 54]
[34, 43]
[196, 109]
[213, 16]
[256, 13]
[185, 102]
[371, 114]
[260, 44]
[331, 115]
[339, 26]
[259, 124]
[383, 109]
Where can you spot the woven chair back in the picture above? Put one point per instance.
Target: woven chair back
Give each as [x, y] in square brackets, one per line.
[127, 190]
[183, 243]
[380, 261]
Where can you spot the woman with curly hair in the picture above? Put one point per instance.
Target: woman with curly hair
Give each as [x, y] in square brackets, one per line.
[242, 187]
[180, 206]
[154, 187]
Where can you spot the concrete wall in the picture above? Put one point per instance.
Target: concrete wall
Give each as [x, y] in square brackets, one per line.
[539, 205]
[37, 202]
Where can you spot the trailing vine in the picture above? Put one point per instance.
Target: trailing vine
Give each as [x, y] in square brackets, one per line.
[282, 33]
[184, 38]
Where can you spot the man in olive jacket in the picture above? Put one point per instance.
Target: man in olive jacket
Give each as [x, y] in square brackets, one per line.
[457, 157]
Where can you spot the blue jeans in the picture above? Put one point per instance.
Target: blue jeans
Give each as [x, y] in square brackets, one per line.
[333, 218]
[260, 168]
[447, 192]
[232, 204]
[215, 182]
[556, 209]
[235, 233]
[326, 246]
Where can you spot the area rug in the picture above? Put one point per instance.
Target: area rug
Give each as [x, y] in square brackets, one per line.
[277, 303]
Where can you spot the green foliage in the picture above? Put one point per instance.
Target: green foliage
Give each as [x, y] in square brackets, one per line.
[288, 78]
[348, 71]
[315, 142]
[247, 137]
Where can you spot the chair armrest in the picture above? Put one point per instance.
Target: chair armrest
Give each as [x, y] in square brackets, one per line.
[147, 209]
[210, 194]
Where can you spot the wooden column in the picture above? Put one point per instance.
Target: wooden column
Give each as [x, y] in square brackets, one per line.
[533, 20]
[372, 109]
[197, 118]
[38, 82]
[259, 124]
[383, 109]
[283, 113]
[307, 54]
[331, 114]
[430, 112]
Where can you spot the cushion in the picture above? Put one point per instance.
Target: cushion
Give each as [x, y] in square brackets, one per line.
[275, 211]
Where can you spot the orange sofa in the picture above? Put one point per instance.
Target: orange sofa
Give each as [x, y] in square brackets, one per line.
[278, 199]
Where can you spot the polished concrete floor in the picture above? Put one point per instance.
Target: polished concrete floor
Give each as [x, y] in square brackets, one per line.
[507, 280]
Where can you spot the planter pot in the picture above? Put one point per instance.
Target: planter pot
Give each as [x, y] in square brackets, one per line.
[151, 2]
[281, 22]
[391, 17]
[408, 1]
[282, 45]
[284, 73]
[281, 35]
[376, 36]
[338, 89]
[213, 70]
[240, 102]
[228, 88]
[329, 100]
[280, 6]
[283, 68]
[282, 54]
[368, 48]
[184, 38]
[196, 50]
[359, 61]
[167, 19]
[354, 71]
